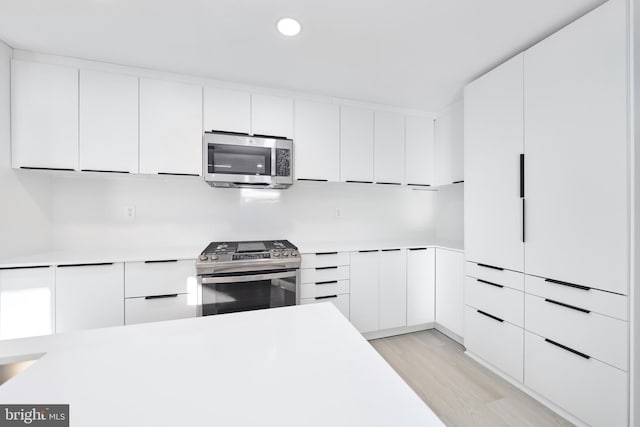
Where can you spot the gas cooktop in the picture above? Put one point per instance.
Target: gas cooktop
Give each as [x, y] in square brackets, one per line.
[255, 255]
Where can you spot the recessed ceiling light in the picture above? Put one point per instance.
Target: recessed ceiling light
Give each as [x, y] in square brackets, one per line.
[289, 27]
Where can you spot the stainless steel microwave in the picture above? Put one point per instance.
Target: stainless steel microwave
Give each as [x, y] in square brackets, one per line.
[238, 160]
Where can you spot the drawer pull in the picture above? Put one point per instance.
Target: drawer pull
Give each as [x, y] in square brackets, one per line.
[572, 307]
[569, 349]
[359, 182]
[22, 268]
[491, 316]
[95, 264]
[491, 267]
[571, 285]
[327, 268]
[390, 250]
[161, 296]
[327, 297]
[368, 250]
[312, 179]
[457, 182]
[417, 249]
[178, 174]
[326, 253]
[160, 260]
[490, 283]
[328, 282]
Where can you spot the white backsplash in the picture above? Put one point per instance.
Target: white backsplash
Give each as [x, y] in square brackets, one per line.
[173, 211]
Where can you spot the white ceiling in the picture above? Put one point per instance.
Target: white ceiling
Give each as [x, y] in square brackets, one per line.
[408, 53]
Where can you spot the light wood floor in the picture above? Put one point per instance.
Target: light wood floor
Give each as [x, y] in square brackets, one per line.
[458, 389]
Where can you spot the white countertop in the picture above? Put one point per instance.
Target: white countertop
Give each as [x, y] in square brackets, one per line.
[292, 366]
[82, 256]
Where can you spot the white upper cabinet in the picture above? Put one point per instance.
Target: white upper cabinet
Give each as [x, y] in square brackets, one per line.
[493, 135]
[108, 122]
[389, 147]
[27, 302]
[317, 141]
[450, 146]
[576, 167]
[227, 110]
[420, 150]
[356, 144]
[393, 288]
[364, 299]
[272, 116]
[89, 296]
[44, 115]
[170, 128]
[421, 292]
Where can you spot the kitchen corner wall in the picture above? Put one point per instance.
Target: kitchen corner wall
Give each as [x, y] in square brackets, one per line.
[25, 225]
[449, 222]
[174, 211]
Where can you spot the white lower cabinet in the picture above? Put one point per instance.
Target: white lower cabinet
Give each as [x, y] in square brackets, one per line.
[505, 303]
[421, 286]
[365, 293]
[591, 390]
[89, 296]
[324, 289]
[157, 308]
[27, 302]
[494, 340]
[340, 301]
[393, 288]
[449, 290]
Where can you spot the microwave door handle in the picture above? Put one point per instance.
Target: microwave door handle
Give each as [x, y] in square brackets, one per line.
[273, 162]
[248, 278]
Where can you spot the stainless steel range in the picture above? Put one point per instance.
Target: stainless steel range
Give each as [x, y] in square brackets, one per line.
[249, 275]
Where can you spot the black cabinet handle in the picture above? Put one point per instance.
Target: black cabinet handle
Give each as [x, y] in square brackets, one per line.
[389, 183]
[104, 171]
[312, 179]
[359, 182]
[457, 182]
[368, 250]
[24, 268]
[158, 261]
[572, 307]
[85, 265]
[390, 250]
[523, 221]
[327, 268]
[420, 185]
[326, 253]
[490, 283]
[571, 285]
[35, 168]
[178, 174]
[569, 349]
[490, 316]
[161, 296]
[491, 267]
[417, 249]
[327, 297]
[328, 282]
[521, 175]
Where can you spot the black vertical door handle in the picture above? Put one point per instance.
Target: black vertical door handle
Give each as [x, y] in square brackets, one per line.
[521, 175]
[523, 222]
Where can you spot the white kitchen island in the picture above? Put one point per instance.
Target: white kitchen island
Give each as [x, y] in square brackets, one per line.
[292, 366]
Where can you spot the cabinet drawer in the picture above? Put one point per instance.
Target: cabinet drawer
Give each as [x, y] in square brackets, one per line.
[324, 274]
[503, 302]
[587, 388]
[142, 310]
[321, 289]
[499, 343]
[598, 336]
[143, 279]
[508, 278]
[324, 259]
[340, 301]
[606, 303]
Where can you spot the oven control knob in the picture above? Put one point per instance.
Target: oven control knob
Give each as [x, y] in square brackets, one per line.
[203, 257]
[214, 257]
[294, 253]
[276, 254]
[287, 253]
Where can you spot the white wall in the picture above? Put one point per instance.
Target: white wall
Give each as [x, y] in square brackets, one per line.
[449, 224]
[24, 196]
[91, 210]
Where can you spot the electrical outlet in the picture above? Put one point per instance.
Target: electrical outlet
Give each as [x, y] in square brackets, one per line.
[130, 212]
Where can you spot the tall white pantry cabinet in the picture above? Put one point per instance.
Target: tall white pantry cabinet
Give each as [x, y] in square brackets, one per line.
[548, 219]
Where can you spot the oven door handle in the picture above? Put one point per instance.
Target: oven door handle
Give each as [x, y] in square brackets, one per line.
[248, 278]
